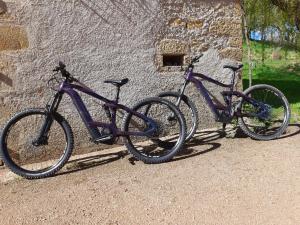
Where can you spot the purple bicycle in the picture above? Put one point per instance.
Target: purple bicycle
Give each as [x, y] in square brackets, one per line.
[37, 142]
[263, 112]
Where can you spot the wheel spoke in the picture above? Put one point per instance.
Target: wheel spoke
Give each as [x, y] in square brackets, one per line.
[269, 117]
[30, 157]
[159, 146]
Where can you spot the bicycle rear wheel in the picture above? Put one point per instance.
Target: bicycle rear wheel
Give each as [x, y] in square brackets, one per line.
[168, 138]
[267, 117]
[22, 154]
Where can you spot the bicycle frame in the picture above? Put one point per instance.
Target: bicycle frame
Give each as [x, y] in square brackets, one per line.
[91, 125]
[191, 77]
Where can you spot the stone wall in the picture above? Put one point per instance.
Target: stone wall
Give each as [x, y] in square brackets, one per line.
[108, 39]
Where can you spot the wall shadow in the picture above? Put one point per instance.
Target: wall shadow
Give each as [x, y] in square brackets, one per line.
[114, 5]
[6, 80]
[3, 7]
[95, 9]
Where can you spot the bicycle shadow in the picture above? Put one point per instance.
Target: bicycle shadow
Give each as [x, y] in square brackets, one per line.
[91, 161]
[292, 130]
[207, 138]
[201, 138]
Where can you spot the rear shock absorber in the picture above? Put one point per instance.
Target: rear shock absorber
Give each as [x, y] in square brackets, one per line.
[107, 112]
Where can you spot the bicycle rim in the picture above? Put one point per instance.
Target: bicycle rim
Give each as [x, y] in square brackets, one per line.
[23, 154]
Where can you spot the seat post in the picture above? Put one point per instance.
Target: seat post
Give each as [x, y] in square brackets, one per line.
[118, 93]
[233, 80]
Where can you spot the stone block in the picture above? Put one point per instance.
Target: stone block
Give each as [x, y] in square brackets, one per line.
[235, 42]
[173, 46]
[226, 27]
[194, 24]
[177, 22]
[232, 53]
[13, 38]
[198, 46]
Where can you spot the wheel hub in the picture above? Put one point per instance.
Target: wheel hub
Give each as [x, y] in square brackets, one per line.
[264, 112]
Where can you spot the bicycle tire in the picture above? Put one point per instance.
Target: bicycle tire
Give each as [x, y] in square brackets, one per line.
[11, 163]
[191, 123]
[286, 117]
[174, 148]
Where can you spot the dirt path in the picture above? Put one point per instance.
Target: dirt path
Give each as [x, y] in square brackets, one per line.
[217, 181]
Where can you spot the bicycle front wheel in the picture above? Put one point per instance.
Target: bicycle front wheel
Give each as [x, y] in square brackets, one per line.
[266, 116]
[24, 155]
[168, 138]
[189, 110]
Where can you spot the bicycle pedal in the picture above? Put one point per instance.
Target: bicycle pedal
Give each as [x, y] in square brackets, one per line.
[104, 138]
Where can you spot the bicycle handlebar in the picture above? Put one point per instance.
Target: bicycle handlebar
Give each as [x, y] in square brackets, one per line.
[196, 59]
[62, 68]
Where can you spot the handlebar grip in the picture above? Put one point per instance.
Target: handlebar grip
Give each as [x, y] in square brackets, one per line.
[62, 69]
[196, 59]
[61, 65]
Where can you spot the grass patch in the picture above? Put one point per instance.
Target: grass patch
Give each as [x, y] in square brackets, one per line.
[283, 74]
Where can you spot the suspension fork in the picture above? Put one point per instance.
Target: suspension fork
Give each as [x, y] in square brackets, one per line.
[42, 138]
[181, 93]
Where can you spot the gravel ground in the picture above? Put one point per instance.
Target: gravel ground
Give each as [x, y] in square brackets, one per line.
[214, 181]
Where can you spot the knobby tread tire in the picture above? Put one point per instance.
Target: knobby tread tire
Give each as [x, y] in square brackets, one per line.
[34, 175]
[244, 127]
[168, 157]
[192, 106]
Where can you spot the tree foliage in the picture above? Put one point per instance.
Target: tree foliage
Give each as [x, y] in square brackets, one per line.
[274, 20]
[292, 7]
[283, 16]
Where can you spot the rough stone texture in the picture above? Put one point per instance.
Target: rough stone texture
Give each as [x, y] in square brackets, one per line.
[194, 24]
[108, 39]
[170, 46]
[222, 27]
[12, 38]
[232, 53]
[235, 42]
[177, 22]
[209, 27]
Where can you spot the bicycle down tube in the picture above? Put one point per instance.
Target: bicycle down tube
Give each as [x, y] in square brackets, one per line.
[92, 125]
[204, 92]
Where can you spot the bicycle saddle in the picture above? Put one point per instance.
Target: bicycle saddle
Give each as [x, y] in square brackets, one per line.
[234, 68]
[117, 83]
